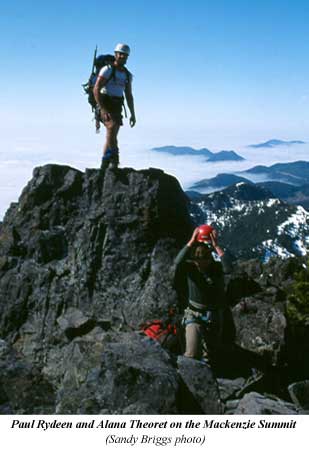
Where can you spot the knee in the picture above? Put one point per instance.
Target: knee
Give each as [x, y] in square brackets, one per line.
[110, 126]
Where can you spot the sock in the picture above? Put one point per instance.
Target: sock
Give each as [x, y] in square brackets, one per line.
[108, 154]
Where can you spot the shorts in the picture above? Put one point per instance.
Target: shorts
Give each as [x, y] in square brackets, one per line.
[113, 105]
[203, 333]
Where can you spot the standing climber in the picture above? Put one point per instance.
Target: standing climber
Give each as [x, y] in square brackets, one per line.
[113, 81]
[206, 303]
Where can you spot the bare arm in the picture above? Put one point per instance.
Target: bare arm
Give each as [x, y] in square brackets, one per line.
[214, 242]
[185, 251]
[130, 102]
[99, 84]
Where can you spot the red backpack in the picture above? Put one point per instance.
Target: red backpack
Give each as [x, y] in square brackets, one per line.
[158, 330]
[166, 332]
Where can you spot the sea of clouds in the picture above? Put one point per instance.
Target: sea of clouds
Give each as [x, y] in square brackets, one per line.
[82, 149]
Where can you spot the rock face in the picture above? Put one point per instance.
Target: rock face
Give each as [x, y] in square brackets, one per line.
[82, 255]
[103, 245]
[199, 379]
[23, 387]
[85, 258]
[260, 325]
[120, 376]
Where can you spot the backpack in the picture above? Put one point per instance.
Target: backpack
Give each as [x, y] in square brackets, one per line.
[166, 332]
[99, 62]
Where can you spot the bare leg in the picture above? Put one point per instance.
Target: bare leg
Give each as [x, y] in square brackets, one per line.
[110, 148]
[111, 142]
[193, 341]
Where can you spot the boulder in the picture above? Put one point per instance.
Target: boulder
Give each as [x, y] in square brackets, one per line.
[254, 403]
[299, 393]
[261, 326]
[125, 373]
[200, 393]
[229, 388]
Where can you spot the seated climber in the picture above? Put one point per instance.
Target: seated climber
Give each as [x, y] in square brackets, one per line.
[206, 302]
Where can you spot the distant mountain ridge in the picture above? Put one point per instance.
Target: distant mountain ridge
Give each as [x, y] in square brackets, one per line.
[179, 151]
[296, 172]
[222, 180]
[223, 155]
[251, 222]
[274, 143]
[287, 181]
[295, 195]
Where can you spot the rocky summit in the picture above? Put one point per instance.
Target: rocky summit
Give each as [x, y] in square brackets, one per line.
[85, 259]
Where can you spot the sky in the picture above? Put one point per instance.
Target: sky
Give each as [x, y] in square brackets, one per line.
[220, 75]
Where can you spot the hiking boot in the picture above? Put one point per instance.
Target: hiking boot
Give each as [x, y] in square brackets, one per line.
[106, 159]
[105, 163]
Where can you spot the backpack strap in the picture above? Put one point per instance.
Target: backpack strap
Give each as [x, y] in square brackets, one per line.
[113, 74]
[129, 75]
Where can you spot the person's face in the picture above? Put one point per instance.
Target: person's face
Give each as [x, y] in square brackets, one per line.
[121, 58]
[203, 257]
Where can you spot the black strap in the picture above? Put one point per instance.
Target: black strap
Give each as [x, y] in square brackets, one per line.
[113, 74]
[128, 74]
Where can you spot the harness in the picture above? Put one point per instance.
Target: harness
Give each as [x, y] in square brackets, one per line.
[204, 319]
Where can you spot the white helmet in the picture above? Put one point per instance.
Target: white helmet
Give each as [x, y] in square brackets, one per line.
[122, 48]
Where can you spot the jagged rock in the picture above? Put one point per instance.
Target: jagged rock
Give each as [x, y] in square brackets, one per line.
[261, 326]
[200, 384]
[232, 389]
[279, 272]
[84, 259]
[101, 243]
[127, 374]
[3, 348]
[231, 406]
[23, 388]
[299, 393]
[239, 286]
[229, 388]
[254, 403]
[74, 323]
[253, 268]
[256, 383]
[250, 277]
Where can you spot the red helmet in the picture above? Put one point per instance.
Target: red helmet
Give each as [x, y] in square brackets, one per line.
[204, 233]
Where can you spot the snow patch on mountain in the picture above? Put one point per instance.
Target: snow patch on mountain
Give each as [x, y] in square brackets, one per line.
[272, 248]
[296, 221]
[249, 228]
[272, 202]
